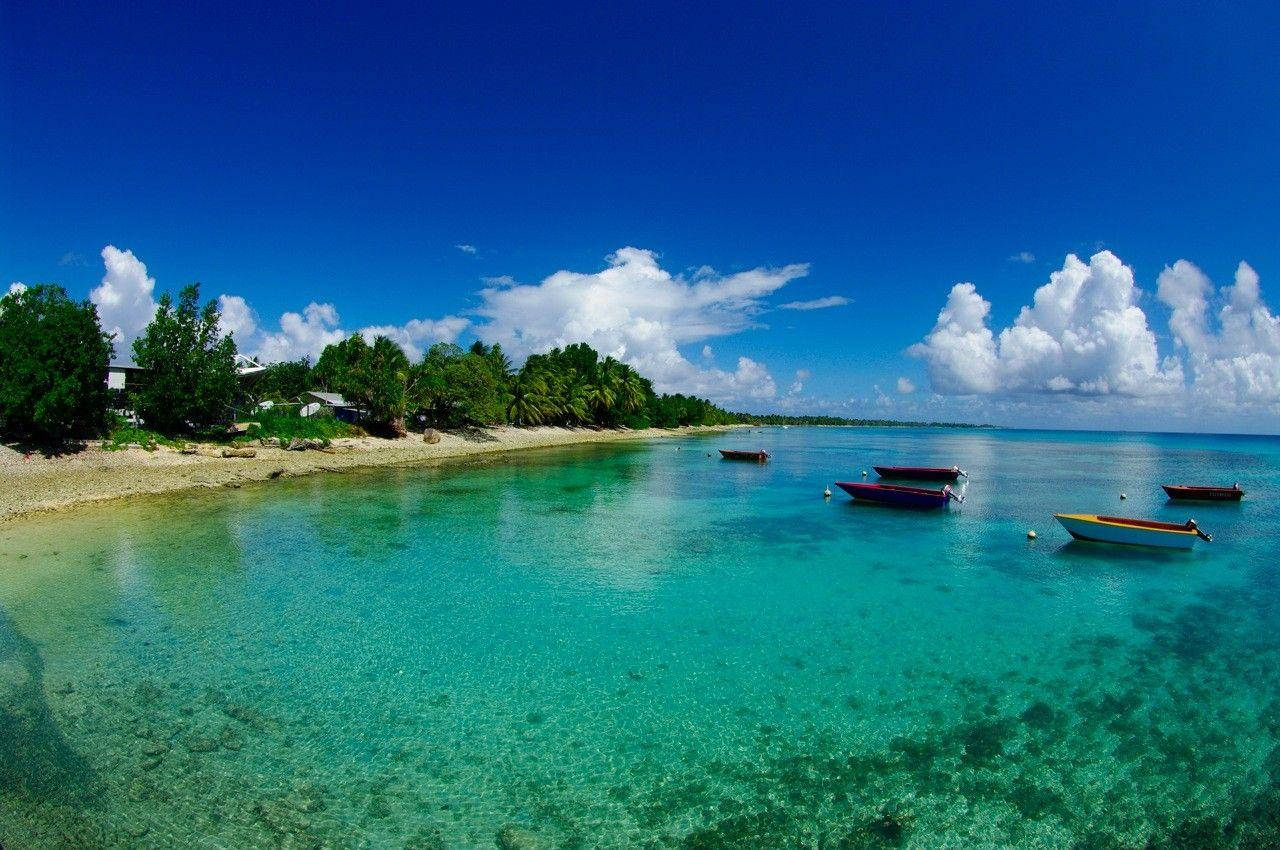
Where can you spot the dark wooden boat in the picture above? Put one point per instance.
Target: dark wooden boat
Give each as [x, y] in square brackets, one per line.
[920, 473]
[736, 454]
[1186, 492]
[898, 496]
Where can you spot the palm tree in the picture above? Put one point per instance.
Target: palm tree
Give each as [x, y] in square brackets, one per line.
[528, 400]
[631, 395]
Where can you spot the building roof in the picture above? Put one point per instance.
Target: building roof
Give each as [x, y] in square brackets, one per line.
[331, 399]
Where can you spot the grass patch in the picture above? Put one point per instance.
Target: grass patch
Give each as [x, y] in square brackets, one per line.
[269, 424]
[124, 436]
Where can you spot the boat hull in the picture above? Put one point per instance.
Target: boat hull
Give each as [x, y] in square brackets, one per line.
[1186, 493]
[734, 454]
[1097, 529]
[917, 473]
[916, 498]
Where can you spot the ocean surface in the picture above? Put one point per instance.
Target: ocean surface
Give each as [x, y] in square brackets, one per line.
[647, 646]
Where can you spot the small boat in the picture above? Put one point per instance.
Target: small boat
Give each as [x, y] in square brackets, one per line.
[1132, 532]
[898, 495]
[1185, 492]
[735, 454]
[920, 473]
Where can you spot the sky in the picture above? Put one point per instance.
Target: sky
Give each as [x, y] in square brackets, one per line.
[1026, 215]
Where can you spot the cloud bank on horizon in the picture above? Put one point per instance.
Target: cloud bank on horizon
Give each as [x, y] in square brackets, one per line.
[1085, 335]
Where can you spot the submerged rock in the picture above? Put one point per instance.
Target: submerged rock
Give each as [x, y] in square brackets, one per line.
[200, 744]
[307, 798]
[155, 748]
[513, 837]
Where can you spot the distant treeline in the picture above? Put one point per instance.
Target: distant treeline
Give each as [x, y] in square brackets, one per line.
[54, 356]
[779, 419]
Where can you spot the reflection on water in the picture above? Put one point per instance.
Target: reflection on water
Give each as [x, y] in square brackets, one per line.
[645, 646]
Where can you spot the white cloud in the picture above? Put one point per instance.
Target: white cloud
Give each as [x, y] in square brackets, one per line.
[418, 334]
[1025, 257]
[71, 258]
[641, 314]
[302, 334]
[1238, 362]
[797, 385]
[499, 280]
[816, 304]
[124, 299]
[1083, 334]
[236, 317]
[707, 352]
[466, 249]
[307, 333]
[905, 386]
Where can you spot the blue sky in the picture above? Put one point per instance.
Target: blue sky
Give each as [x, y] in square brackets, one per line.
[334, 155]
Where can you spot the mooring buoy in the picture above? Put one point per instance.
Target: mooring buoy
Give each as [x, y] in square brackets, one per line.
[1031, 535]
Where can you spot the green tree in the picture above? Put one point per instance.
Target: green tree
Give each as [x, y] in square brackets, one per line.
[53, 366]
[457, 388]
[375, 378]
[283, 381]
[191, 368]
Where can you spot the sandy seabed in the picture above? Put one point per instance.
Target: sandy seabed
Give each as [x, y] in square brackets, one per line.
[33, 484]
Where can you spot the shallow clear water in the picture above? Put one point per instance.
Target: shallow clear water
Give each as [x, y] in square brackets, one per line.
[645, 645]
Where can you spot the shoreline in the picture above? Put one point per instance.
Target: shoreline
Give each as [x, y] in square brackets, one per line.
[40, 485]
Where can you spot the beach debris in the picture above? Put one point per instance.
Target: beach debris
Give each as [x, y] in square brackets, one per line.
[431, 435]
[239, 453]
[189, 450]
[276, 473]
[239, 427]
[1031, 534]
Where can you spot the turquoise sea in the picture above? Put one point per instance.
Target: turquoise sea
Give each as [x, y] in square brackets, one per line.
[646, 646]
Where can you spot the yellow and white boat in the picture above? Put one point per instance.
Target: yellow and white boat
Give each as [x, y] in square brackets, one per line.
[1132, 532]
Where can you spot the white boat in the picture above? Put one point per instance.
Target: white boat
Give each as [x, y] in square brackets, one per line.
[1132, 532]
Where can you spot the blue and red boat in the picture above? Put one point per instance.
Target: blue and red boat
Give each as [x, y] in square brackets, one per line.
[899, 496]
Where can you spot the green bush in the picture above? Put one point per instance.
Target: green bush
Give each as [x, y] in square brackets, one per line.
[288, 425]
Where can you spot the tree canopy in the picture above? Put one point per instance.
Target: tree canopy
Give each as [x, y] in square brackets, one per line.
[190, 380]
[53, 366]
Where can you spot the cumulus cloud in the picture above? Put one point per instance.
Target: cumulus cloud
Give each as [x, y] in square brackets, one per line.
[816, 304]
[236, 317]
[1234, 356]
[641, 314]
[418, 334]
[797, 385]
[905, 386]
[1083, 334]
[307, 333]
[124, 298]
[466, 249]
[1025, 257]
